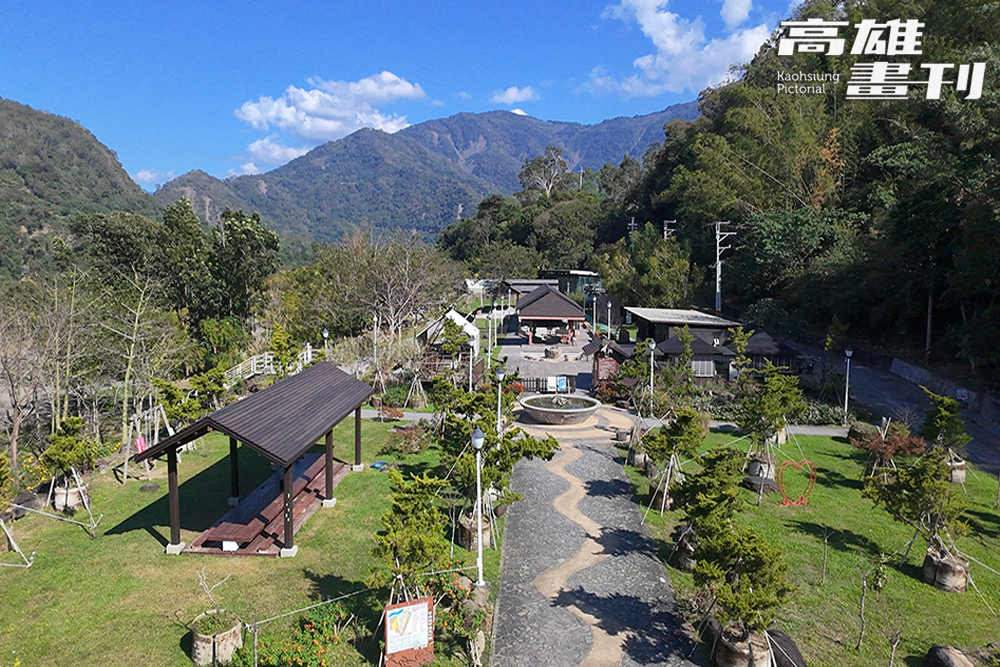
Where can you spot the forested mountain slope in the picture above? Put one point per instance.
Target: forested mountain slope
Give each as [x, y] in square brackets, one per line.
[52, 169]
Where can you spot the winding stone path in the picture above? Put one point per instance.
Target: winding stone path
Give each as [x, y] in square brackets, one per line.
[580, 581]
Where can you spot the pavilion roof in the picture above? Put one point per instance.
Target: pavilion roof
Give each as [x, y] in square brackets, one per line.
[546, 303]
[284, 420]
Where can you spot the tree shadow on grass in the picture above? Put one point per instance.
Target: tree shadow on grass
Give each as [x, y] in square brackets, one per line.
[842, 540]
[984, 524]
[832, 478]
[653, 631]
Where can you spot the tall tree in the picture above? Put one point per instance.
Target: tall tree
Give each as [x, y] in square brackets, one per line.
[244, 253]
[547, 173]
[646, 270]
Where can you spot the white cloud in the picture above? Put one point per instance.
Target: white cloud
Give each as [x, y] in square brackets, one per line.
[246, 169]
[519, 112]
[685, 59]
[513, 95]
[269, 151]
[735, 12]
[462, 95]
[332, 109]
[148, 177]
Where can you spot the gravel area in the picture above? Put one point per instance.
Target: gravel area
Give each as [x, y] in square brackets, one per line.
[625, 592]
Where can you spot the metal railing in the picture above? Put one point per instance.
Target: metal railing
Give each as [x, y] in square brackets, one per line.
[263, 364]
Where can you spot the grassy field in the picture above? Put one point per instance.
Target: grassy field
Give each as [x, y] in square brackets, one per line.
[119, 600]
[824, 619]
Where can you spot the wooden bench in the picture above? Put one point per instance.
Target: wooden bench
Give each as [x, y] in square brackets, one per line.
[245, 525]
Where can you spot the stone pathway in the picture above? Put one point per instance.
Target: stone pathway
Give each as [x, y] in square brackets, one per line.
[580, 580]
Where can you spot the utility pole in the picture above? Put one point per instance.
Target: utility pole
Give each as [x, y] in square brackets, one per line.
[720, 236]
[669, 228]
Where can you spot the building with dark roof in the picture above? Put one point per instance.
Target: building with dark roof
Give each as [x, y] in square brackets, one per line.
[549, 309]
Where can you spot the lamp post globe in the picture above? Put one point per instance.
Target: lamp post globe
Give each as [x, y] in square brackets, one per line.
[478, 438]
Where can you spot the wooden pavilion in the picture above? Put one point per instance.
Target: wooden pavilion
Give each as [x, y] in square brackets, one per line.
[281, 423]
[549, 308]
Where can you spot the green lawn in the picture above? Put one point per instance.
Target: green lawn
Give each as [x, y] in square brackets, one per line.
[824, 619]
[119, 600]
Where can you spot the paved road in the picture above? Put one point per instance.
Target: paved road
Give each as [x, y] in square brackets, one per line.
[581, 583]
[889, 395]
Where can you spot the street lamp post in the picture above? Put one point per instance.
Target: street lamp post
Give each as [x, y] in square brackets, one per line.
[651, 344]
[500, 376]
[609, 318]
[478, 437]
[326, 349]
[847, 381]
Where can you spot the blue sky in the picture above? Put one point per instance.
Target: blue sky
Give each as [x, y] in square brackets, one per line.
[243, 87]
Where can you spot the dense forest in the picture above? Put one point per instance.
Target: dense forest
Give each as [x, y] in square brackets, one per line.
[879, 216]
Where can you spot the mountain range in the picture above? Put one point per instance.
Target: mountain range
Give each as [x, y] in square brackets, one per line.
[421, 178]
[52, 169]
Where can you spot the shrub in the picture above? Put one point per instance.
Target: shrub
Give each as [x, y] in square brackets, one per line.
[69, 448]
[395, 397]
[411, 439]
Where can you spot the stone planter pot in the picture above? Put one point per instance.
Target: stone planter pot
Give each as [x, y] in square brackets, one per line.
[683, 556]
[731, 650]
[957, 471]
[949, 573]
[67, 500]
[636, 458]
[215, 649]
[762, 466]
[658, 501]
[468, 532]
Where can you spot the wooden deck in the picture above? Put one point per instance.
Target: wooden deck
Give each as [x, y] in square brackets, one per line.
[257, 524]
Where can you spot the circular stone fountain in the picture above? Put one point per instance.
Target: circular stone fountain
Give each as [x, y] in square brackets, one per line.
[559, 409]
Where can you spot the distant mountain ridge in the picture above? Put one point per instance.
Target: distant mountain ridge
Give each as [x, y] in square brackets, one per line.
[420, 178]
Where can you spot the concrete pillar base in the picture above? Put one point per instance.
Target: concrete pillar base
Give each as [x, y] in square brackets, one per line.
[233, 501]
[358, 467]
[175, 549]
[290, 553]
[329, 502]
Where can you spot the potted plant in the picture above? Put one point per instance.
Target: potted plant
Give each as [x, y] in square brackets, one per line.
[885, 444]
[763, 415]
[69, 450]
[216, 633]
[669, 444]
[922, 497]
[943, 427]
[746, 575]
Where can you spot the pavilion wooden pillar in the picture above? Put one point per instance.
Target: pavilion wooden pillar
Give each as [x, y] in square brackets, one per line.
[289, 549]
[234, 469]
[357, 440]
[328, 499]
[175, 546]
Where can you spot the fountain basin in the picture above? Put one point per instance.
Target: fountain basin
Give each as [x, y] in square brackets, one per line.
[559, 409]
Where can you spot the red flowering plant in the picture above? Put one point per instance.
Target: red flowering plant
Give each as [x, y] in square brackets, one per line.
[318, 640]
